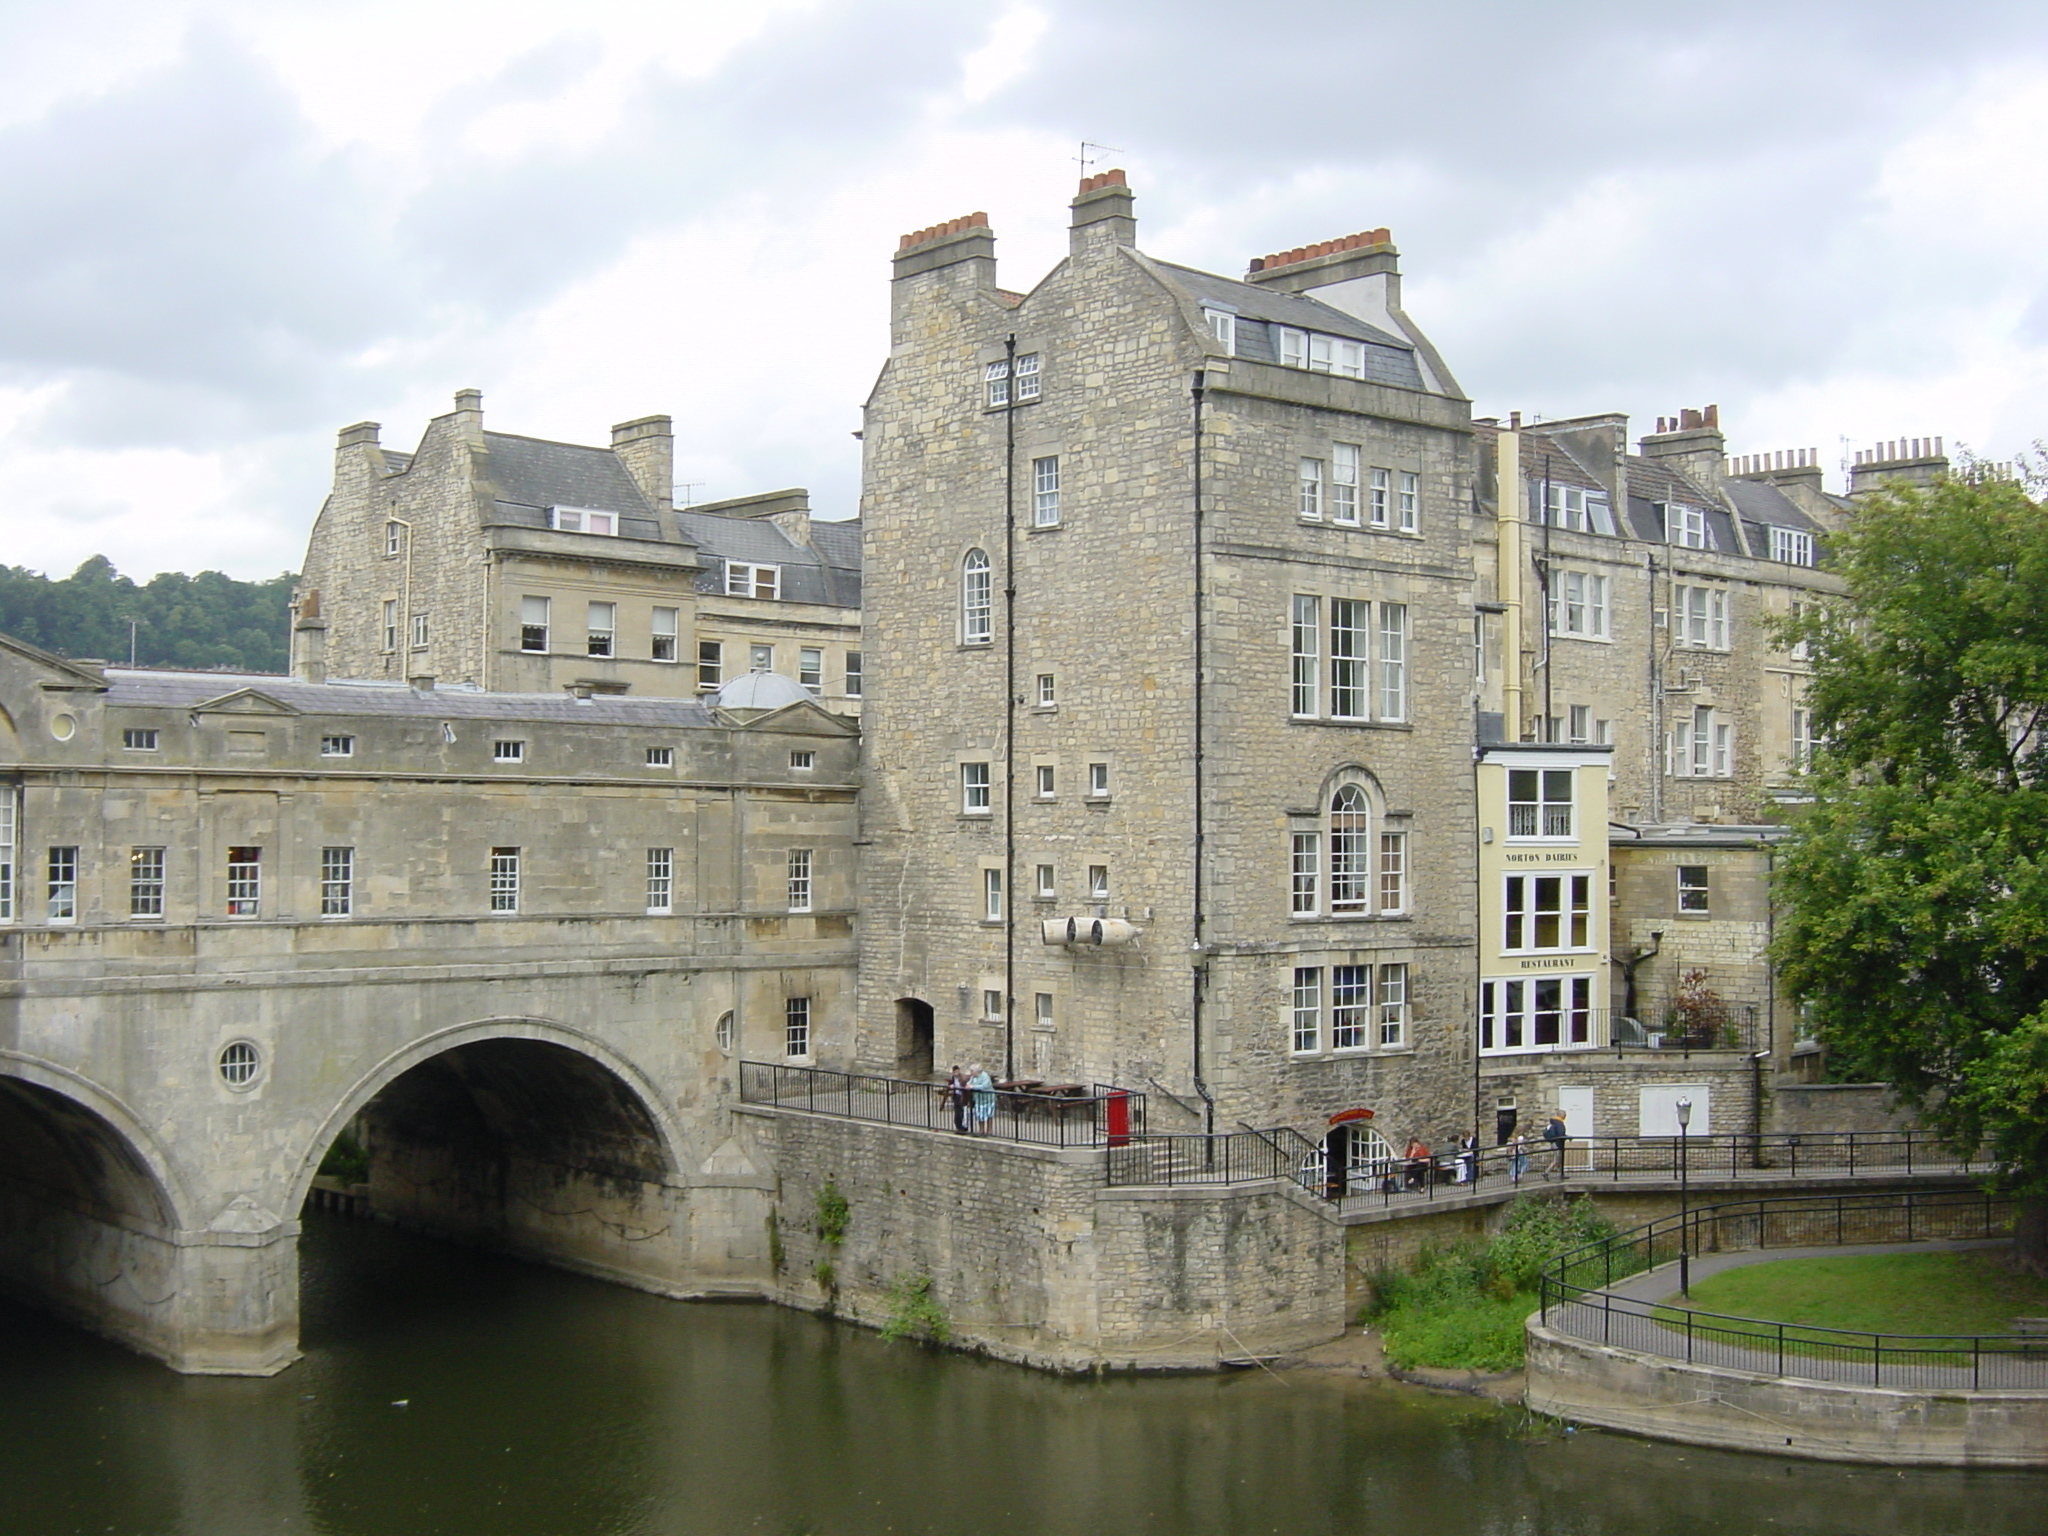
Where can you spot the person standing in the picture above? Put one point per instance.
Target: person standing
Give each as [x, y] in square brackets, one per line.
[983, 1087]
[1518, 1157]
[1468, 1159]
[957, 1096]
[1556, 1134]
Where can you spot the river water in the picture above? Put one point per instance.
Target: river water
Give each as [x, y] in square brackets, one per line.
[445, 1393]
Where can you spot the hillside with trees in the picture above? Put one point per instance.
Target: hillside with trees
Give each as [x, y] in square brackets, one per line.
[207, 622]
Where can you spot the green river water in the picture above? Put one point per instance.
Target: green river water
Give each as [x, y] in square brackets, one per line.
[540, 1404]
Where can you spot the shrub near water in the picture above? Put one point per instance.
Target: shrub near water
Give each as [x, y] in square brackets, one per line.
[1464, 1304]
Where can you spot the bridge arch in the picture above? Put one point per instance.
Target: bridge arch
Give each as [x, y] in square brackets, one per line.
[105, 1156]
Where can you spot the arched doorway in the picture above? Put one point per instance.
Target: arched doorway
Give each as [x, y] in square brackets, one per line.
[1351, 1159]
[915, 1038]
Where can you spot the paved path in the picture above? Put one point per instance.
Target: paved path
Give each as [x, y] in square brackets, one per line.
[1628, 1321]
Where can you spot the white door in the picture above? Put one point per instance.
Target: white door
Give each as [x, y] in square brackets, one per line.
[1577, 1104]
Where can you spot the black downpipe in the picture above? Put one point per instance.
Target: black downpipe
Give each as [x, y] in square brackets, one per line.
[1201, 950]
[1010, 711]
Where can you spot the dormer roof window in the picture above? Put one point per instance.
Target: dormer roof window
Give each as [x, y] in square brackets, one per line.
[1320, 354]
[1580, 510]
[1223, 326]
[1686, 526]
[1793, 546]
[583, 520]
[743, 580]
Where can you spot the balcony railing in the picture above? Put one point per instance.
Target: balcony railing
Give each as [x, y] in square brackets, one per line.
[1538, 1031]
[1058, 1115]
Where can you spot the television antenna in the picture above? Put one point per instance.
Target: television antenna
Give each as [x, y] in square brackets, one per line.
[1084, 159]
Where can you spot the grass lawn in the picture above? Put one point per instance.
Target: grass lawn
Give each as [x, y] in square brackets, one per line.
[1943, 1293]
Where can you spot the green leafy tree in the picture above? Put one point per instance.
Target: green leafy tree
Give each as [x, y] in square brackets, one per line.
[1916, 886]
[207, 622]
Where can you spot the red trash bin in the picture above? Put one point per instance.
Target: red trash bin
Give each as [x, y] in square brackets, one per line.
[1117, 1116]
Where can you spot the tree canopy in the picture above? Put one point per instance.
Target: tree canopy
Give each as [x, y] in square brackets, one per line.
[1915, 888]
[206, 622]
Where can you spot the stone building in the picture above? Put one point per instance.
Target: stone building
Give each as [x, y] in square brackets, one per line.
[1170, 725]
[516, 939]
[521, 565]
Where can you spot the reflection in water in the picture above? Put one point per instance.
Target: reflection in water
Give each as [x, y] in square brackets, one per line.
[539, 1404]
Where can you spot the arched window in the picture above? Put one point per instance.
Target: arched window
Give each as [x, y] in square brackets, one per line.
[977, 610]
[1350, 850]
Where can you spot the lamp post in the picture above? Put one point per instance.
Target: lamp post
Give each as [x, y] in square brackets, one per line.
[1684, 1107]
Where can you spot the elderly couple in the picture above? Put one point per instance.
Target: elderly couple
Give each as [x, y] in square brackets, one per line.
[972, 1094]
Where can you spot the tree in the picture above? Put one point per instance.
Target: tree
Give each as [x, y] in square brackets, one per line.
[205, 622]
[1915, 888]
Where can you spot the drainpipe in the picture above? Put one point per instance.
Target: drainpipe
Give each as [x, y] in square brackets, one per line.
[1508, 517]
[1543, 595]
[1010, 712]
[1199, 939]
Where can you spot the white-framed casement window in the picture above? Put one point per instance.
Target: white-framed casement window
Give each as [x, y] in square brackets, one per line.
[1350, 850]
[746, 580]
[799, 879]
[1578, 604]
[1544, 1013]
[855, 676]
[761, 656]
[1048, 690]
[1048, 781]
[1306, 1010]
[1041, 1010]
[1098, 882]
[662, 628]
[337, 882]
[1695, 890]
[1393, 872]
[1319, 353]
[422, 629]
[1045, 492]
[991, 895]
[1699, 618]
[1547, 912]
[1579, 724]
[337, 746]
[1350, 1006]
[504, 871]
[977, 599]
[1539, 803]
[136, 739]
[245, 882]
[1098, 781]
[1349, 645]
[583, 520]
[996, 380]
[1578, 509]
[9, 830]
[661, 757]
[802, 761]
[992, 1005]
[1393, 661]
[145, 882]
[1800, 758]
[1379, 499]
[974, 789]
[1344, 465]
[796, 1027]
[710, 665]
[1687, 526]
[1307, 647]
[1048, 886]
[602, 633]
[661, 881]
[1308, 488]
[1703, 746]
[810, 670]
[508, 751]
[1391, 1005]
[390, 624]
[1223, 326]
[1304, 874]
[1793, 546]
[394, 540]
[1407, 501]
[61, 888]
[533, 623]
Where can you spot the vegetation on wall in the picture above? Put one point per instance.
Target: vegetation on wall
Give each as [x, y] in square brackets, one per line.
[207, 622]
[915, 1313]
[1915, 888]
[834, 1216]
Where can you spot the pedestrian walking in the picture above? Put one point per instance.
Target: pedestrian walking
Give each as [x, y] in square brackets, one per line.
[1556, 1134]
[983, 1087]
[1518, 1157]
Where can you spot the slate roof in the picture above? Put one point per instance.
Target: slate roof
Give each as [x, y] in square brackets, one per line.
[186, 690]
[825, 571]
[1389, 359]
[536, 473]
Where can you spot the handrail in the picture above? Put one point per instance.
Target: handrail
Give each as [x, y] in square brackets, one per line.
[1105, 1116]
[1576, 1294]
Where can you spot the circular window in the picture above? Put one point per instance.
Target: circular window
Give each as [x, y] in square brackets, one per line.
[238, 1064]
[724, 1033]
[63, 727]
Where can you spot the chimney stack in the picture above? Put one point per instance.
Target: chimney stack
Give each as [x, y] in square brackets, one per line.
[1917, 461]
[1103, 213]
[469, 414]
[1691, 443]
[647, 447]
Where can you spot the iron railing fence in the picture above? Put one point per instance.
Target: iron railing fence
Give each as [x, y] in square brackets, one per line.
[1556, 1030]
[1102, 1115]
[1226, 1157]
[1576, 1297]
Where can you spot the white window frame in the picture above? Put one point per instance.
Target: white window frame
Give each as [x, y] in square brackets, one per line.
[146, 881]
[337, 881]
[1045, 491]
[855, 674]
[743, 579]
[996, 380]
[810, 670]
[390, 625]
[1516, 1012]
[1391, 896]
[1703, 747]
[1304, 874]
[1048, 690]
[1098, 781]
[1578, 604]
[1350, 1007]
[1351, 851]
[800, 880]
[508, 751]
[1393, 662]
[1695, 890]
[710, 665]
[1223, 326]
[1048, 882]
[1552, 903]
[584, 520]
[394, 539]
[337, 746]
[1699, 617]
[10, 850]
[796, 1028]
[1306, 622]
[1345, 459]
[661, 757]
[1305, 1011]
[601, 631]
[803, 761]
[422, 631]
[1350, 694]
[1407, 501]
[661, 881]
[1048, 781]
[535, 627]
[140, 739]
[975, 796]
[1390, 1006]
[977, 599]
[60, 903]
[1578, 510]
[245, 881]
[991, 895]
[1542, 804]
[1792, 546]
[1379, 498]
[1687, 527]
[1800, 759]
[664, 633]
[503, 869]
[1098, 882]
[1309, 476]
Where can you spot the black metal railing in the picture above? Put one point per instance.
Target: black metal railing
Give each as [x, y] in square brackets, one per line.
[1227, 1157]
[1098, 1115]
[1577, 1297]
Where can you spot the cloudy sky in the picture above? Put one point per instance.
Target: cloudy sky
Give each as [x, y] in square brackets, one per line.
[229, 227]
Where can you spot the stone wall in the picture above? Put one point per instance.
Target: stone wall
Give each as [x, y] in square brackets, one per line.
[1822, 1108]
[1034, 1259]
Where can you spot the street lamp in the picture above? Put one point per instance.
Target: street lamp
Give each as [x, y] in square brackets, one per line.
[1684, 1107]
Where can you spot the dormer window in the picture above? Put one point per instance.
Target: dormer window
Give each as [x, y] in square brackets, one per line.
[996, 380]
[1792, 546]
[583, 520]
[743, 580]
[1582, 511]
[1223, 326]
[1320, 354]
[1687, 527]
